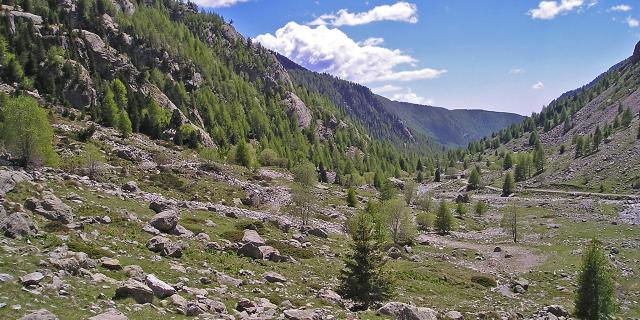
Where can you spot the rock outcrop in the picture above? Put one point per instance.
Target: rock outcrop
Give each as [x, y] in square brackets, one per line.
[294, 105]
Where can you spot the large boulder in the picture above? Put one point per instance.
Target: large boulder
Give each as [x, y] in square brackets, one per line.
[160, 288]
[9, 179]
[32, 279]
[79, 91]
[302, 314]
[250, 250]
[165, 247]
[403, 311]
[50, 207]
[274, 277]
[251, 236]
[17, 225]
[110, 314]
[42, 314]
[135, 289]
[165, 221]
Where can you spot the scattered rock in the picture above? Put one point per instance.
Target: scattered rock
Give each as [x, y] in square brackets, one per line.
[557, 310]
[497, 249]
[165, 221]
[160, 288]
[330, 296]
[131, 186]
[110, 314]
[51, 207]
[110, 263]
[42, 314]
[252, 236]
[135, 289]
[17, 225]
[274, 277]
[403, 311]
[301, 314]
[453, 315]
[31, 279]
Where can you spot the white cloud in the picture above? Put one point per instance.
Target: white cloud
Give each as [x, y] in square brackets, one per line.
[371, 42]
[633, 23]
[218, 3]
[400, 11]
[387, 88]
[411, 97]
[331, 50]
[516, 71]
[547, 10]
[537, 86]
[621, 8]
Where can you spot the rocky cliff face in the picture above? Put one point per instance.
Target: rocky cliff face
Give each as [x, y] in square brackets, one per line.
[636, 54]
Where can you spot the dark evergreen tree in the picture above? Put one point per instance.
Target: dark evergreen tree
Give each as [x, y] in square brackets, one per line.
[444, 219]
[508, 186]
[595, 296]
[363, 279]
[352, 200]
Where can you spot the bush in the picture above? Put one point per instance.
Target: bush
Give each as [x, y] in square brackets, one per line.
[258, 226]
[485, 281]
[268, 157]
[424, 221]
[289, 250]
[91, 249]
[55, 226]
[168, 181]
[233, 235]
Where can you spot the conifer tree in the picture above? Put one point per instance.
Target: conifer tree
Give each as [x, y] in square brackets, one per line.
[109, 108]
[508, 162]
[538, 157]
[243, 154]
[627, 117]
[437, 175]
[474, 179]
[597, 138]
[508, 186]
[595, 296]
[124, 124]
[363, 279]
[352, 201]
[444, 219]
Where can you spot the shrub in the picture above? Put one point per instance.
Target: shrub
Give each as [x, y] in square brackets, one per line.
[485, 281]
[424, 221]
[289, 250]
[91, 249]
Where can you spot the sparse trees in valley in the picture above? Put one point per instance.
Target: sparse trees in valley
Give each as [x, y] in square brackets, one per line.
[444, 219]
[508, 186]
[595, 296]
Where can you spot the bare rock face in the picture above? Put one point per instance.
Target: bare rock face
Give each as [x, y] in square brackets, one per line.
[108, 60]
[124, 5]
[636, 54]
[293, 104]
[79, 92]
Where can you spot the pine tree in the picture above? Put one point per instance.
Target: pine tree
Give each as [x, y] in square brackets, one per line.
[109, 108]
[616, 122]
[377, 180]
[323, 173]
[521, 170]
[461, 210]
[124, 124]
[538, 157]
[509, 223]
[444, 219]
[243, 154]
[352, 201]
[597, 138]
[363, 279]
[388, 191]
[533, 138]
[579, 146]
[595, 296]
[420, 177]
[437, 176]
[508, 162]
[474, 180]
[627, 117]
[508, 185]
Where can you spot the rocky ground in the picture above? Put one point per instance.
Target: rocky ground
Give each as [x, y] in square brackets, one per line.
[160, 233]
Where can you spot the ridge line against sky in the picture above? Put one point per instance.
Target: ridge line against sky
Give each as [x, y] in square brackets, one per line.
[513, 57]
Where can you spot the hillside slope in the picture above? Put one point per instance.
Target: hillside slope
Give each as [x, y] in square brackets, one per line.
[596, 125]
[400, 120]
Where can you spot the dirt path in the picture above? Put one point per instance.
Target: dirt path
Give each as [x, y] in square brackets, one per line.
[612, 196]
[522, 260]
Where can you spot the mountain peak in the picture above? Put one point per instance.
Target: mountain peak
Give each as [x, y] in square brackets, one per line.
[636, 53]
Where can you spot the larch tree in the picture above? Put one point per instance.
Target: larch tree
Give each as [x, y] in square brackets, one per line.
[595, 296]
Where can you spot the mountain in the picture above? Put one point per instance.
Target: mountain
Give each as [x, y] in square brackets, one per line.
[450, 127]
[400, 120]
[590, 134]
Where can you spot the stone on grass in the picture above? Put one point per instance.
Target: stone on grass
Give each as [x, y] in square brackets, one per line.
[274, 277]
[165, 221]
[399, 310]
[42, 314]
[110, 314]
[301, 314]
[135, 289]
[110, 264]
[251, 236]
[160, 288]
[31, 279]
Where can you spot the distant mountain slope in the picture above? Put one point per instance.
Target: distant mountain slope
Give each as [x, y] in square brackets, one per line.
[398, 120]
[450, 127]
[591, 135]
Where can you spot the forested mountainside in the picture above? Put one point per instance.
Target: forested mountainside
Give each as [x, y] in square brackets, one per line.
[402, 121]
[167, 70]
[450, 127]
[589, 135]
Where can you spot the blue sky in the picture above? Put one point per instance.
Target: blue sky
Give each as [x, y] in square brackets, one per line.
[504, 55]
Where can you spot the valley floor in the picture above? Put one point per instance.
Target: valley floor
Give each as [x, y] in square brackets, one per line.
[445, 273]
